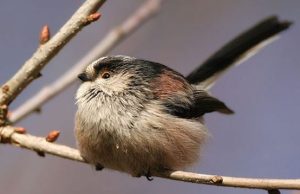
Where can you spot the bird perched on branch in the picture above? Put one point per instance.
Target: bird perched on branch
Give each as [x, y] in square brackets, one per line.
[141, 117]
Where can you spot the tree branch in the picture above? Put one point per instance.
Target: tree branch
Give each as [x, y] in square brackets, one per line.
[114, 37]
[32, 67]
[38, 144]
[48, 49]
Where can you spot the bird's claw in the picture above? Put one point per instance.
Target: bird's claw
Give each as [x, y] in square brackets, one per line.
[98, 167]
[148, 176]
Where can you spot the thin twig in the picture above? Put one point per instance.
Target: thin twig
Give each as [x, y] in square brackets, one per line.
[115, 36]
[33, 66]
[39, 144]
[45, 52]
[226, 181]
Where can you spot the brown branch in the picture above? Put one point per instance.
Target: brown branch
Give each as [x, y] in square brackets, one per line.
[114, 37]
[40, 145]
[226, 181]
[32, 67]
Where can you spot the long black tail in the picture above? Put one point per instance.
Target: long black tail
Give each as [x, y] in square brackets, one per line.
[237, 50]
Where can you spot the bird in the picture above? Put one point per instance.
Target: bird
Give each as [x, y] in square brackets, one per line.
[142, 117]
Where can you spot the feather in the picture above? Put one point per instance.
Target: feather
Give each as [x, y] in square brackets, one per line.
[237, 51]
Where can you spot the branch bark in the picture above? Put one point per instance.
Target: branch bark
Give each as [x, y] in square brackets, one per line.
[38, 144]
[114, 37]
[32, 67]
[45, 52]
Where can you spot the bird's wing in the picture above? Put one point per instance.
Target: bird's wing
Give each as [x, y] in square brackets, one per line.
[200, 103]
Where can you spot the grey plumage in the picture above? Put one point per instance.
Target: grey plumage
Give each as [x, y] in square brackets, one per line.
[124, 122]
[138, 116]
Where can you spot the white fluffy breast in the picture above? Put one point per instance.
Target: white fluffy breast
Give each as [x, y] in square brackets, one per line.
[106, 113]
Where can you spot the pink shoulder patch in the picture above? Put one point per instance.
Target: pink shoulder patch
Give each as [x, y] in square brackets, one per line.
[168, 84]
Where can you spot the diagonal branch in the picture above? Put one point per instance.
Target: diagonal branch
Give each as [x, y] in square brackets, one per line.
[32, 67]
[114, 37]
[9, 135]
[45, 52]
[39, 144]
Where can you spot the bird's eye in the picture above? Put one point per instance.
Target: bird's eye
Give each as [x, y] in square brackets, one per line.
[105, 75]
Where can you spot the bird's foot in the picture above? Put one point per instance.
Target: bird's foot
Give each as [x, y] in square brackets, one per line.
[98, 167]
[148, 175]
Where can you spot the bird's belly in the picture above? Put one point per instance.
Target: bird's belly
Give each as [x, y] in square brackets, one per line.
[121, 152]
[147, 145]
[108, 142]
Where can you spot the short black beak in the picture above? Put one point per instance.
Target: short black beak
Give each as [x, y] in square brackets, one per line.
[83, 77]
